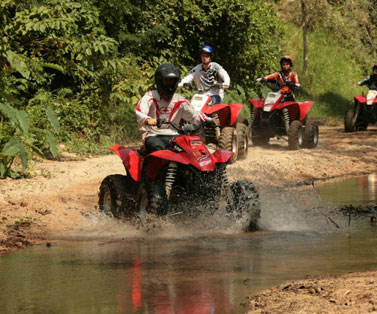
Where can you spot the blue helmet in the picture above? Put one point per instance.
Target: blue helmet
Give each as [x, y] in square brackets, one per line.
[207, 49]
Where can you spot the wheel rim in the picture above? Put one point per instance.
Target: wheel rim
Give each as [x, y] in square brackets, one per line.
[106, 200]
[299, 138]
[143, 204]
[234, 142]
[315, 136]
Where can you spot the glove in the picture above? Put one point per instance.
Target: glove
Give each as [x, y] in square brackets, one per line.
[181, 85]
[359, 83]
[261, 80]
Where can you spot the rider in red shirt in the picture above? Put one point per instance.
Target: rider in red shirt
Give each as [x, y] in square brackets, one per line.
[286, 79]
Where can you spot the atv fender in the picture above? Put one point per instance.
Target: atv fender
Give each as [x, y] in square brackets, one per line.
[257, 103]
[223, 111]
[304, 109]
[235, 110]
[132, 160]
[360, 99]
[222, 156]
[158, 159]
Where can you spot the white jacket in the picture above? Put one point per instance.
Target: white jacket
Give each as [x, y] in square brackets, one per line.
[153, 106]
[205, 79]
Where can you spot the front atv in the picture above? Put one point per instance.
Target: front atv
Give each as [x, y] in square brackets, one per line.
[184, 179]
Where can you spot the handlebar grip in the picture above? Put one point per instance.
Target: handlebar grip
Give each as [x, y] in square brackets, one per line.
[160, 122]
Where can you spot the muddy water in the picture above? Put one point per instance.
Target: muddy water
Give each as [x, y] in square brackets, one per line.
[356, 191]
[190, 270]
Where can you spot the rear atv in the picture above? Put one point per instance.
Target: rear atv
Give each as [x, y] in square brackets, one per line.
[277, 115]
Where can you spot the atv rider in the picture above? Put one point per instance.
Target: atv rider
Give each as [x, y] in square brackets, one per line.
[286, 79]
[207, 74]
[164, 104]
[371, 80]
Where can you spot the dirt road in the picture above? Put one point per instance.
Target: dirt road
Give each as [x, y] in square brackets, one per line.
[54, 201]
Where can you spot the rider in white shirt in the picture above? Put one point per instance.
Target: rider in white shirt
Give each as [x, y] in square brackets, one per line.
[207, 74]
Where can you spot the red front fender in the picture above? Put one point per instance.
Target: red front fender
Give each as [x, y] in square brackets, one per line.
[235, 110]
[221, 156]
[132, 160]
[360, 99]
[257, 103]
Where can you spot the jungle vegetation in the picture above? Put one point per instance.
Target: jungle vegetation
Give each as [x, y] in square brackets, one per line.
[72, 71]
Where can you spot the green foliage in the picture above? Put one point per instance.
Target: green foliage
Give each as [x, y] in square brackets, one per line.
[333, 73]
[19, 139]
[73, 71]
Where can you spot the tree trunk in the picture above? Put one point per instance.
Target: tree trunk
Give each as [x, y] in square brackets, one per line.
[304, 36]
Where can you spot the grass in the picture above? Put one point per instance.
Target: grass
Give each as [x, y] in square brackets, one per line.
[332, 76]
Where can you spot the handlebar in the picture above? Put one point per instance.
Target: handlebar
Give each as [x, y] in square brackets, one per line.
[215, 84]
[187, 129]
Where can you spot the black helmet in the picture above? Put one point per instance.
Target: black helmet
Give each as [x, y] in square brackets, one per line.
[165, 71]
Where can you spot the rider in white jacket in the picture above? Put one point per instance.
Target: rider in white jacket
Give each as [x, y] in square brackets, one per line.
[207, 74]
[164, 104]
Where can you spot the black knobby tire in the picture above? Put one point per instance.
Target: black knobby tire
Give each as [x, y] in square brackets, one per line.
[246, 207]
[116, 195]
[258, 138]
[295, 135]
[229, 141]
[310, 136]
[349, 124]
[151, 199]
[243, 140]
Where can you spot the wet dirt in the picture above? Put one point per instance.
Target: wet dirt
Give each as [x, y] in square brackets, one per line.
[56, 201]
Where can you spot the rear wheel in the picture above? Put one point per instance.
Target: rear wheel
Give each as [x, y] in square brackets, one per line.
[310, 136]
[258, 137]
[243, 140]
[229, 141]
[295, 135]
[116, 196]
[349, 122]
[246, 207]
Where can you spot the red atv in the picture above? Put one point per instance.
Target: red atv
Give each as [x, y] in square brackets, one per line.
[363, 113]
[233, 132]
[277, 116]
[182, 178]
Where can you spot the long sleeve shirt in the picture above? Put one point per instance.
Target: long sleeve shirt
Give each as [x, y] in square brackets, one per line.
[206, 78]
[282, 80]
[153, 106]
[370, 81]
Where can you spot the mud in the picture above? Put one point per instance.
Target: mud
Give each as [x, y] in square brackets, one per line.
[61, 193]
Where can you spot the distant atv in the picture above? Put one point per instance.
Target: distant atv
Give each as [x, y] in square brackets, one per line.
[181, 178]
[363, 113]
[275, 116]
[233, 132]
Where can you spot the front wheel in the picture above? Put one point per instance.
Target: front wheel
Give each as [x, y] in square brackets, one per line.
[151, 199]
[246, 207]
[229, 141]
[116, 196]
[349, 121]
[295, 135]
[243, 140]
[310, 136]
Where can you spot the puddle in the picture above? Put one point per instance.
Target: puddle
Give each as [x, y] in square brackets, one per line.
[356, 191]
[117, 269]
